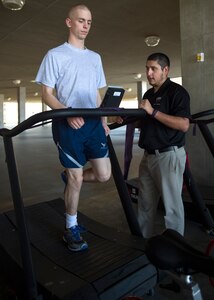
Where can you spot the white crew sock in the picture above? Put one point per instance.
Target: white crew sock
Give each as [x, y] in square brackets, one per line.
[70, 220]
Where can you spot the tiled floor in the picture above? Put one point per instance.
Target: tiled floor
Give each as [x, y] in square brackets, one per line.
[39, 172]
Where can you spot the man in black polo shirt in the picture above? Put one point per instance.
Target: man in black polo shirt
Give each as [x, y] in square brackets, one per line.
[162, 137]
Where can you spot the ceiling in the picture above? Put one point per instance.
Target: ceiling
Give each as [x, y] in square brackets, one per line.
[118, 32]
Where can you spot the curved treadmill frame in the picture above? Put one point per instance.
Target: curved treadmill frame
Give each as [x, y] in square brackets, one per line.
[31, 247]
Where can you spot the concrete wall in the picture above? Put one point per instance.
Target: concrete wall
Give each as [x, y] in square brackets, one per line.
[1, 110]
[197, 35]
[21, 99]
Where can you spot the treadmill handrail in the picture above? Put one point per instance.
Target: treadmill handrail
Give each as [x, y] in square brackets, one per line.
[202, 114]
[69, 112]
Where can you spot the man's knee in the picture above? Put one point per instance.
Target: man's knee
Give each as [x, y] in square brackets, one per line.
[75, 180]
[105, 176]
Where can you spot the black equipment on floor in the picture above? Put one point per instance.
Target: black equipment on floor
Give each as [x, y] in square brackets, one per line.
[181, 261]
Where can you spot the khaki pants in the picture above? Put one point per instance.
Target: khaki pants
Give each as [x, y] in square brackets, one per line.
[161, 175]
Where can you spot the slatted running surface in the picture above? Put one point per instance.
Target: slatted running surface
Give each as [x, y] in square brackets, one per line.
[114, 264]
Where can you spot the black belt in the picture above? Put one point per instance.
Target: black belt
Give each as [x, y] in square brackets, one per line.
[171, 148]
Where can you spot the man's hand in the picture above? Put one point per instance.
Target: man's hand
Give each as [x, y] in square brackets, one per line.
[119, 120]
[106, 128]
[75, 122]
[146, 105]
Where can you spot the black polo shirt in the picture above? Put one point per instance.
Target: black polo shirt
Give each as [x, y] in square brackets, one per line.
[171, 99]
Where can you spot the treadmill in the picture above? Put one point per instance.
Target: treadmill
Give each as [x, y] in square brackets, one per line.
[32, 253]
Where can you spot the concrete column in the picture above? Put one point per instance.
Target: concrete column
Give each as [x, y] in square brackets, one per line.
[44, 106]
[141, 89]
[21, 98]
[197, 36]
[1, 111]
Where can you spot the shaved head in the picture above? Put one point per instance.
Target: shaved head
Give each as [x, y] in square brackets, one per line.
[74, 8]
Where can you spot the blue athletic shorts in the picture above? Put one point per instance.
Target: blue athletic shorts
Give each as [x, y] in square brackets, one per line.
[77, 146]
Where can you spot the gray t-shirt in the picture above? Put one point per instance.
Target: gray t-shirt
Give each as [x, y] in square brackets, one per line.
[76, 74]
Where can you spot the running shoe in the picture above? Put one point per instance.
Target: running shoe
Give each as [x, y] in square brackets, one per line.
[81, 228]
[74, 240]
[64, 177]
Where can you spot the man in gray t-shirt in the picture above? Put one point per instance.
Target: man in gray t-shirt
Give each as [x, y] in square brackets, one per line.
[76, 74]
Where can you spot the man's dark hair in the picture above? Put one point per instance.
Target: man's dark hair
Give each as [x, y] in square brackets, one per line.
[162, 59]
